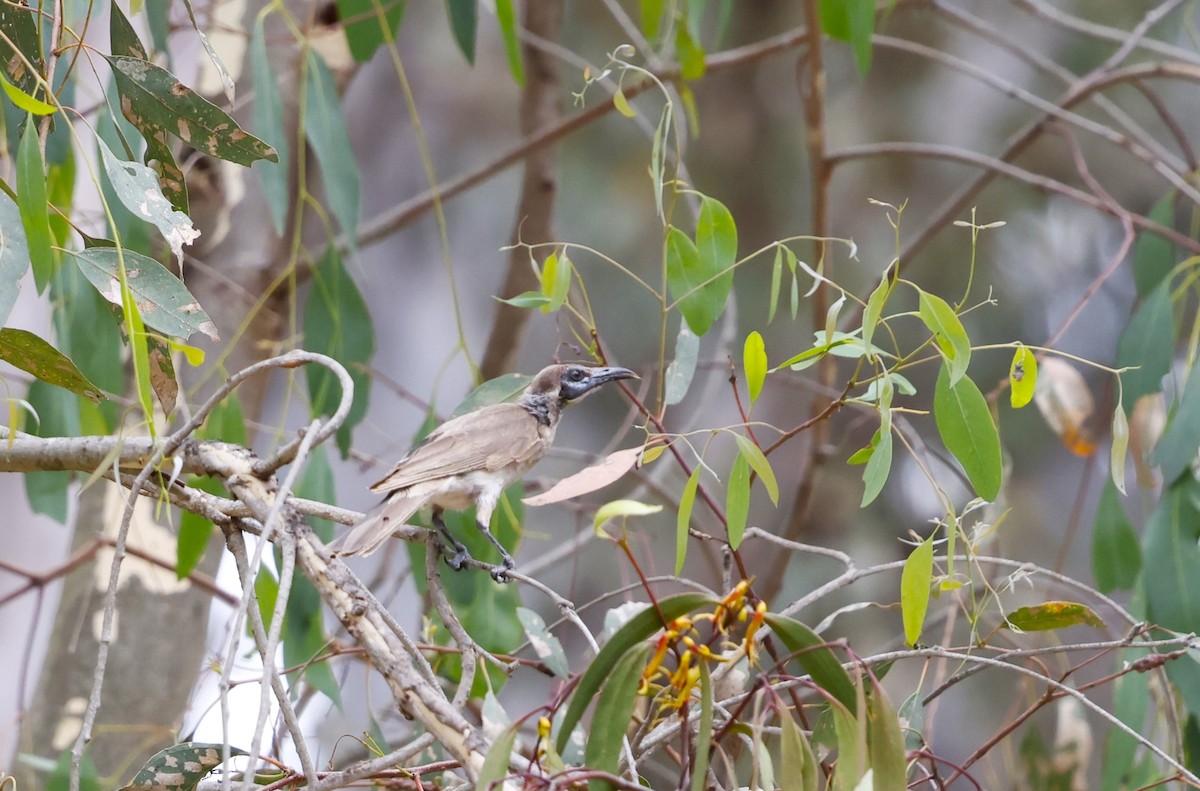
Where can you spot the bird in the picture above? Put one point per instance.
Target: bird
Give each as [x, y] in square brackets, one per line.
[473, 458]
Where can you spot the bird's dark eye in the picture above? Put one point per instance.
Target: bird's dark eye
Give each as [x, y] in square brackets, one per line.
[576, 375]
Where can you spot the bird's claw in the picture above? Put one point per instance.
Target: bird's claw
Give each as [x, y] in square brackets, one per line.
[500, 572]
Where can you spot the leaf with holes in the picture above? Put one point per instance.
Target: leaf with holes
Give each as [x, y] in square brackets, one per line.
[138, 188]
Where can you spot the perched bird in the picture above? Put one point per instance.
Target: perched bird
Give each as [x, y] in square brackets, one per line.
[473, 458]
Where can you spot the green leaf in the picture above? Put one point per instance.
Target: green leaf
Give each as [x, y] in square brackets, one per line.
[139, 351]
[23, 100]
[156, 97]
[162, 299]
[1172, 556]
[34, 205]
[704, 732]
[1022, 377]
[495, 763]
[614, 709]
[1120, 447]
[1176, 449]
[464, 17]
[1154, 256]
[776, 282]
[336, 323]
[716, 239]
[949, 333]
[1131, 697]
[526, 299]
[512, 42]
[758, 462]
[686, 502]
[194, 530]
[853, 759]
[304, 639]
[737, 500]
[14, 254]
[266, 593]
[325, 128]
[58, 416]
[796, 758]
[1149, 343]
[688, 276]
[915, 582]
[815, 656]
[545, 645]
[623, 641]
[754, 361]
[652, 14]
[494, 391]
[60, 778]
[34, 355]
[137, 187]
[20, 49]
[1116, 556]
[879, 467]
[681, 369]
[369, 24]
[968, 432]
[179, 766]
[268, 122]
[555, 281]
[622, 509]
[874, 309]
[852, 21]
[885, 744]
[690, 54]
[1052, 615]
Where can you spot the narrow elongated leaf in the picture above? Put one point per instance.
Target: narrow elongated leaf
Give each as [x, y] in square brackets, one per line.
[364, 23]
[968, 431]
[123, 39]
[163, 301]
[690, 54]
[139, 351]
[545, 645]
[817, 659]
[621, 509]
[495, 763]
[507, 18]
[853, 760]
[758, 462]
[635, 630]
[608, 470]
[156, 97]
[879, 467]
[1131, 699]
[1120, 447]
[885, 744]
[1053, 615]
[20, 50]
[179, 766]
[14, 254]
[681, 369]
[614, 709]
[33, 205]
[737, 500]
[852, 21]
[652, 14]
[325, 127]
[556, 281]
[138, 188]
[1171, 550]
[754, 362]
[776, 282]
[874, 309]
[716, 238]
[218, 65]
[23, 100]
[1154, 256]
[268, 122]
[464, 18]
[622, 104]
[336, 323]
[1116, 556]
[704, 732]
[1176, 450]
[1022, 377]
[915, 582]
[1149, 343]
[34, 355]
[796, 760]
[684, 519]
[58, 416]
[949, 333]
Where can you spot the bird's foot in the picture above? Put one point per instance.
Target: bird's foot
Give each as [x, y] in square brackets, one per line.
[500, 571]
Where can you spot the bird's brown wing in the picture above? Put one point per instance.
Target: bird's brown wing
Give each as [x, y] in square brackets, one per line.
[491, 438]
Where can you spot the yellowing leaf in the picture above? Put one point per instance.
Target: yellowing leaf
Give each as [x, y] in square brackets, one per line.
[622, 104]
[1052, 615]
[754, 360]
[758, 462]
[621, 509]
[1022, 377]
[23, 100]
[1065, 402]
[915, 580]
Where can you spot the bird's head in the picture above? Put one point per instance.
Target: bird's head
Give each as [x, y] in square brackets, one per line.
[571, 382]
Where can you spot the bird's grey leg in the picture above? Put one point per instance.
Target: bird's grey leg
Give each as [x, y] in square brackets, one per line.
[499, 573]
[460, 557]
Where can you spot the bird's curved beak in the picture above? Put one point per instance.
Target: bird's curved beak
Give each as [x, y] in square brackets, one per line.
[602, 375]
[574, 391]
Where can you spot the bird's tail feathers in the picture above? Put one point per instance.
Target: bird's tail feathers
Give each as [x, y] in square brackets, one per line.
[378, 525]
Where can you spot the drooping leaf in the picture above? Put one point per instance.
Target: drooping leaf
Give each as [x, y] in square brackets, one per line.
[218, 65]
[162, 299]
[1154, 256]
[1171, 550]
[58, 416]
[1022, 377]
[1116, 556]
[614, 709]
[815, 656]
[1052, 615]
[754, 362]
[464, 18]
[545, 645]
[697, 286]
[915, 581]
[179, 766]
[704, 733]
[885, 744]
[652, 14]
[325, 127]
[34, 205]
[681, 369]
[879, 467]
[23, 100]
[34, 355]
[20, 51]
[495, 763]
[949, 333]
[1176, 451]
[684, 519]
[268, 122]
[625, 639]
[1131, 699]
[968, 432]
[527, 299]
[336, 323]
[194, 530]
[555, 281]
[138, 188]
[608, 470]
[1149, 343]
[507, 18]
[737, 500]
[156, 97]
[758, 462]
[1066, 402]
[874, 309]
[796, 759]
[364, 23]
[776, 282]
[852, 21]
[1120, 447]
[14, 254]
